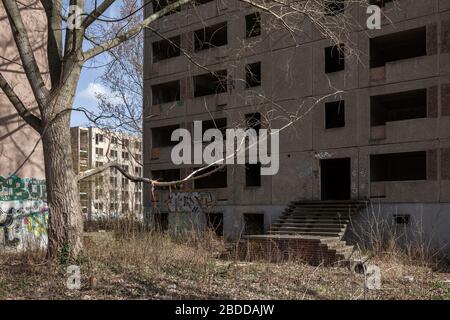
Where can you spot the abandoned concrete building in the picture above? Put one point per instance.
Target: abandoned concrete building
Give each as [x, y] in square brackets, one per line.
[383, 143]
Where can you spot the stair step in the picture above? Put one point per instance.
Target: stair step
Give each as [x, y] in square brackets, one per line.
[338, 202]
[328, 241]
[313, 219]
[307, 233]
[322, 210]
[325, 207]
[346, 253]
[309, 224]
[306, 210]
[317, 214]
[334, 243]
[314, 215]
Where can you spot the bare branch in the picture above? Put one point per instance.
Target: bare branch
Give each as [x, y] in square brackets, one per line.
[97, 12]
[54, 38]
[108, 45]
[26, 115]
[26, 51]
[155, 183]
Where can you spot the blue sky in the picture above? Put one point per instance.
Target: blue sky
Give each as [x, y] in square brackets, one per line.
[90, 84]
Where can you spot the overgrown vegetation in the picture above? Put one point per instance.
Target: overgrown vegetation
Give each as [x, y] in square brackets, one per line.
[129, 264]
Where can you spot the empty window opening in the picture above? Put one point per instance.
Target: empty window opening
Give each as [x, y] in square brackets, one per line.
[398, 106]
[398, 46]
[220, 123]
[217, 179]
[215, 223]
[334, 7]
[99, 138]
[407, 166]
[210, 37]
[253, 223]
[166, 92]
[253, 121]
[253, 175]
[335, 58]
[335, 114]
[158, 5]
[402, 219]
[200, 2]
[166, 176]
[138, 171]
[253, 75]
[161, 136]
[253, 25]
[380, 3]
[210, 83]
[161, 221]
[166, 49]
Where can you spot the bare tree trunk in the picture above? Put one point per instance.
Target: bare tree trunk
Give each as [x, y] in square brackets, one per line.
[65, 217]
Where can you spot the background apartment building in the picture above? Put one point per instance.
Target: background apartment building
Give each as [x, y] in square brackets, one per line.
[386, 138]
[109, 194]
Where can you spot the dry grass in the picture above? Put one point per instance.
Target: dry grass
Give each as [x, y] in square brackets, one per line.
[144, 266]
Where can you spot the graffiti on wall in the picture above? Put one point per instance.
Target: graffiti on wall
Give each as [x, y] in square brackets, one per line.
[23, 213]
[194, 202]
[323, 155]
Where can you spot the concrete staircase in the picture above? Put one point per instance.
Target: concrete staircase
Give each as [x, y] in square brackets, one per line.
[326, 220]
[315, 230]
[316, 218]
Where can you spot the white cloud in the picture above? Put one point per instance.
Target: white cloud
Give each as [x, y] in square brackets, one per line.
[94, 89]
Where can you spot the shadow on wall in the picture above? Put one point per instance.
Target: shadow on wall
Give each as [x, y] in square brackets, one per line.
[19, 144]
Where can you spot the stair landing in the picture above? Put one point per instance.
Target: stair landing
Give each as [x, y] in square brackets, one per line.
[307, 230]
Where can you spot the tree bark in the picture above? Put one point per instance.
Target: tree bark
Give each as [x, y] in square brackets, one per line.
[65, 217]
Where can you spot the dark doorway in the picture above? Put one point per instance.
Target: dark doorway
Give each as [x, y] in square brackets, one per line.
[335, 179]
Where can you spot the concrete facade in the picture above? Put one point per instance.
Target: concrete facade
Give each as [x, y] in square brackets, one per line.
[292, 78]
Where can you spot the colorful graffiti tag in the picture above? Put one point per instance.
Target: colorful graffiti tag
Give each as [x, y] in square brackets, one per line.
[23, 213]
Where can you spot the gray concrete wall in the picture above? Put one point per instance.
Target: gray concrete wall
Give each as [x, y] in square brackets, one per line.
[428, 226]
